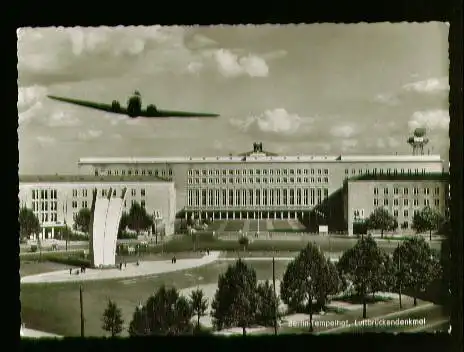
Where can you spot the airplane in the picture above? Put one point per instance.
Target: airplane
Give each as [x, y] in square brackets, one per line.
[134, 108]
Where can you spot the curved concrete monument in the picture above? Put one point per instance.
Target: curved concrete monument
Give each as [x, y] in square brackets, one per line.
[105, 216]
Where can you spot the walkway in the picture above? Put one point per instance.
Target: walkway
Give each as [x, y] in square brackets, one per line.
[144, 269]
[37, 334]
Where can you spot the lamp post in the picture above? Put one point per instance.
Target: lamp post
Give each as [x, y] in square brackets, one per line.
[275, 295]
[399, 275]
[310, 303]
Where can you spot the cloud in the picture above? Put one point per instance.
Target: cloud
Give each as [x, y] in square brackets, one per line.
[54, 55]
[231, 65]
[431, 85]
[45, 140]
[62, 119]
[348, 144]
[90, 134]
[387, 99]
[277, 121]
[431, 119]
[344, 131]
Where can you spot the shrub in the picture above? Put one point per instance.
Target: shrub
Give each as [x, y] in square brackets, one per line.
[73, 260]
[33, 248]
[124, 235]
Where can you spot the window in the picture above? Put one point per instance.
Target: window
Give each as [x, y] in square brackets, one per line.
[142, 192]
[385, 202]
[143, 172]
[123, 172]
[326, 180]
[136, 172]
[326, 171]
[405, 202]
[385, 191]
[346, 171]
[133, 192]
[395, 190]
[405, 191]
[84, 193]
[74, 204]
[292, 172]
[376, 190]
[190, 172]
[437, 202]
[84, 204]
[426, 203]
[416, 202]
[437, 191]
[103, 192]
[298, 171]
[416, 190]
[405, 213]
[376, 202]
[74, 193]
[395, 202]
[395, 213]
[142, 203]
[114, 192]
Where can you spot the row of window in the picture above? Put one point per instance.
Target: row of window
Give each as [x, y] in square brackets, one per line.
[396, 190]
[251, 172]
[44, 206]
[46, 217]
[386, 171]
[251, 180]
[256, 197]
[136, 172]
[396, 202]
[105, 192]
[44, 194]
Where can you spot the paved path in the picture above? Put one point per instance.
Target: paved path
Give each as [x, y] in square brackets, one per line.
[144, 269]
[333, 258]
[36, 333]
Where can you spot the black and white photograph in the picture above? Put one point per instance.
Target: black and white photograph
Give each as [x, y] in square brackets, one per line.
[233, 180]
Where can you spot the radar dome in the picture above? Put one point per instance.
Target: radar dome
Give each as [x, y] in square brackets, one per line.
[419, 132]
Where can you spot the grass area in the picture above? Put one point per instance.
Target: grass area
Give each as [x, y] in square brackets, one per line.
[255, 254]
[254, 225]
[33, 267]
[55, 307]
[355, 299]
[234, 225]
[215, 225]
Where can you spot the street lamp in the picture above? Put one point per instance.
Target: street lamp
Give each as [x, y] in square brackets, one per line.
[310, 303]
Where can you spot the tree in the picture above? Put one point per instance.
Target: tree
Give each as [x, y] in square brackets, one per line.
[28, 223]
[123, 222]
[82, 220]
[235, 301]
[164, 313]
[268, 303]
[112, 319]
[427, 219]
[199, 304]
[419, 264]
[65, 232]
[362, 265]
[381, 219]
[331, 285]
[306, 279]
[138, 220]
[243, 241]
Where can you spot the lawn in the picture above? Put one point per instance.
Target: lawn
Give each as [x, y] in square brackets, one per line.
[33, 267]
[55, 307]
[234, 225]
[254, 225]
[281, 225]
[260, 254]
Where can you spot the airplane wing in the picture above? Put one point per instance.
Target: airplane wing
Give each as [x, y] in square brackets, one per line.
[171, 113]
[90, 104]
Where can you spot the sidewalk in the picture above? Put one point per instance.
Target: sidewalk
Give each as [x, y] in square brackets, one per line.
[144, 269]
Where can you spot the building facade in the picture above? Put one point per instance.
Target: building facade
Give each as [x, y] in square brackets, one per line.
[56, 200]
[403, 196]
[259, 184]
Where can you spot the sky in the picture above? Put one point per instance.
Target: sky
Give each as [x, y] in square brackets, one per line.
[299, 89]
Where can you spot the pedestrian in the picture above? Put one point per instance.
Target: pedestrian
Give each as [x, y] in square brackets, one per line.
[175, 260]
[137, 263]
[70, 271]
[120, 266]
[125, 264]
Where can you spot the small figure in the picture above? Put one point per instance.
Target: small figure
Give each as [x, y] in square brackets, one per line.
[137, 263]
[70, 271]
[120, 266]
[125, 264]
[175, 260]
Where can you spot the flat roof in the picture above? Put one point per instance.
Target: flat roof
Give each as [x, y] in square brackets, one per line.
[430, 176]
[88, 179]
[258, 158]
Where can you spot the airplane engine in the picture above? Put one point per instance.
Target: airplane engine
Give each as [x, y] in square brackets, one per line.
[151, 108]
[115, 106]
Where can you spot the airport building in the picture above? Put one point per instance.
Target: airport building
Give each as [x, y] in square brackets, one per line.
[56, 200]
[263, 185]
[402, 195]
